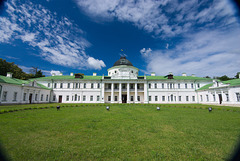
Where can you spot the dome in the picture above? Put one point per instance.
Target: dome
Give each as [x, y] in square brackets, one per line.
[123, 61]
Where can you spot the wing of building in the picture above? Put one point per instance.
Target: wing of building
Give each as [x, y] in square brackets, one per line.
[122, 85]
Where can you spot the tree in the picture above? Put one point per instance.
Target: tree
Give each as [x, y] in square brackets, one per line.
[13, 68]
[36, 73]
[17, 72]
[224, 78]
[237, 75]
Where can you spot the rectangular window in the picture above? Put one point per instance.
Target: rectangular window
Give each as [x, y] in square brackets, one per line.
[41, 97]
[131, 86]
[24, 96]
[115, 86]
[15, 96]
[207, 98]
[227, 97]
[163, 98]
[76, 86]
[61, 85]
[155, 85]
[178, 85]
[55, 85]
[214, 98]
[84, 98]
[179, 98]
[109, 86]
[192, 85]
[48, 85]
[68, 85]
[54, 98]
[149, 98]
[67, 98]
[109, 98]
[47, 97]
[193, 98]
[156, 98]
[149, 85]
[162, 85]
[201, 98]
[91, 85]
[138, 86]
[91, 98]
[115, 99]
[238, 97]
[198, 85]
[72, 98]
[75, 97]
[186, 85]
[78, 98]
[98, 85]
[131, 98]
[123, 86]
[98, 98]
[84, 85]
[138, 98]
[36, 97]
[187, 98]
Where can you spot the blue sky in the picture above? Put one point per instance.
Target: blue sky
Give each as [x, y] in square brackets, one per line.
[86, 36]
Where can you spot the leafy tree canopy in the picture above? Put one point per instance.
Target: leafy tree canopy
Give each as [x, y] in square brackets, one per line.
[17, 72]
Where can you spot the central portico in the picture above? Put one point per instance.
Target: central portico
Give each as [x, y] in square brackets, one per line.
[122, 85]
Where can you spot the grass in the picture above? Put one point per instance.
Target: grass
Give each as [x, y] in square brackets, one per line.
[126, 132]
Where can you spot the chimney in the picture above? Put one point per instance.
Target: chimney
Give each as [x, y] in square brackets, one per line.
[170, 75]
[153, 74]
[71, 74]
[193, 75]
[94, 74]
[9, 74]
[184, 74]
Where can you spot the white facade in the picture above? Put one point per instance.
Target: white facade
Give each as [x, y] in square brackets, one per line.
[123, 85]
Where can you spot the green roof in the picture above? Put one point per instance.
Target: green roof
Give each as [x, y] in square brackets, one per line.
[58, 77]
[8, 80]
[206, 86]
[233, 82]
[15, 81]
[176, 78]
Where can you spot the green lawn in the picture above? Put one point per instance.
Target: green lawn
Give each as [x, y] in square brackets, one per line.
[126, 132]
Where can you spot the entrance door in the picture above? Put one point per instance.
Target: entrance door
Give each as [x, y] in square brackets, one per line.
[60, 99]
[220, 98]
[124, 98]
[30, 98]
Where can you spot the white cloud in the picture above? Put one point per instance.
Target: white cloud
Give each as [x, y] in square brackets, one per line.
[59, 40]
[95, 63]
[54, 72]
[28, 37]
[212, 53]
[165, 18]
[145, 52]
[167, 45]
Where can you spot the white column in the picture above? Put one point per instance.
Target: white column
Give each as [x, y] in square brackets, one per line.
[112, 93]
[136, 94]
[103, 91]
[223, 98]
[27, 96]
[216, 97]
[145, 93]
[120, 93]
[128, 93]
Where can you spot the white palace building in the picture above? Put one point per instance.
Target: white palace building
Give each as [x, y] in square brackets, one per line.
[122, 85]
